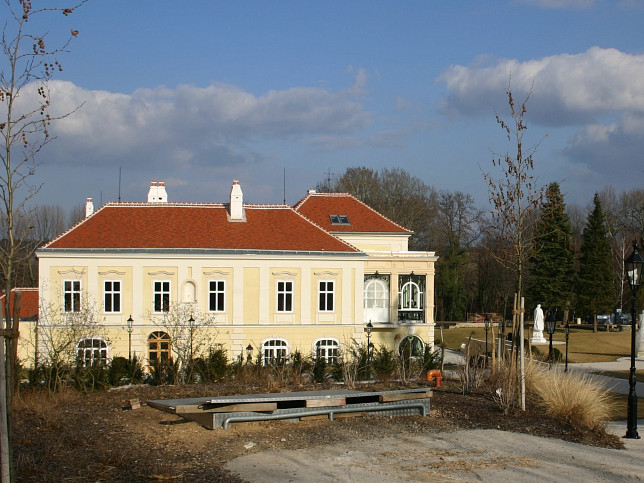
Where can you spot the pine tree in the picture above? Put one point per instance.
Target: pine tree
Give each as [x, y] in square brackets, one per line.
[595, 288]
[450, 282]
[552, 270]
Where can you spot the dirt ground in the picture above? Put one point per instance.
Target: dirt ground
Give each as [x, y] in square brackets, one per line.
[94, 438]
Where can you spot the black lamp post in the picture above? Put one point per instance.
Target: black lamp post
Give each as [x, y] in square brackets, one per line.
[191, 321]
[501, 341]
[633, 264]
[369, 329]
[487, 328]
[130, 321]
[249, 353]
[551, 325]
[567, 332]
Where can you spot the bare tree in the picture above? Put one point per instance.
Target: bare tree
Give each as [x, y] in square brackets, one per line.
[515, 197]
[396, 194]
[28, 63]
[192, 334]
[59, 333]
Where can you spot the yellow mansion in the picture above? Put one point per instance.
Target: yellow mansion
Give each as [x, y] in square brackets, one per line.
[273, 279]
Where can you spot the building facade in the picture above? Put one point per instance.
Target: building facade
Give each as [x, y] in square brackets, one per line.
[272, 278]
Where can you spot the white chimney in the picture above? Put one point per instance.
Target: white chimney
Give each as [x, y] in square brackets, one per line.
[236, 202]
[89, 207]
[157, 193]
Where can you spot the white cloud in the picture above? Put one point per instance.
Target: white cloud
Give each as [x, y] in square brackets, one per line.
[189, 124]
[569, 89]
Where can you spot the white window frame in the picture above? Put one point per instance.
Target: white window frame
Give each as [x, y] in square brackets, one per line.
[72, 290]
[162, 295]
[376, 294]
[92, 350]
[328, 349]
[326, 296]
[274, 350]
[284, 296]
[112, 294]
[217, 292]
[408, 299]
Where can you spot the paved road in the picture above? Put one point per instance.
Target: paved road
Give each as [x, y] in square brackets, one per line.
[475, 455]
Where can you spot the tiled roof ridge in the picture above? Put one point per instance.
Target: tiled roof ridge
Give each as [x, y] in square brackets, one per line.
[143, 204]
[347, 195]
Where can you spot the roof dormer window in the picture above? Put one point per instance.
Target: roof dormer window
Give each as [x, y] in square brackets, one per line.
[339, 219]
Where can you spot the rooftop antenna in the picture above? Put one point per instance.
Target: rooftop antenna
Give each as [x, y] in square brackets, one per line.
[328, 179]
[119, 184]
[284, 185]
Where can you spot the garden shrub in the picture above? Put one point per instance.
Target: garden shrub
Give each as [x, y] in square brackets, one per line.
[572, 398]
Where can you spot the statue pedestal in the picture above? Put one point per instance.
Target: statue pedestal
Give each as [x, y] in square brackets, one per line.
[537, 337]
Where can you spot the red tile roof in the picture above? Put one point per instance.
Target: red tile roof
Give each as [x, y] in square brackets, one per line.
[318, 206]
[28, 302]
[198, 226]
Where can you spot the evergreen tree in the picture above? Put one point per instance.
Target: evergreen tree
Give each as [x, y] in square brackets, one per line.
[450, 283]
[595, 288]
[552, 270]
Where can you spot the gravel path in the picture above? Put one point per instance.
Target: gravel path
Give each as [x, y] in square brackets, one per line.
[483, 455]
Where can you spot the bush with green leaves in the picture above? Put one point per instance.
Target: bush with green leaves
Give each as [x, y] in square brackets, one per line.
[125, 371]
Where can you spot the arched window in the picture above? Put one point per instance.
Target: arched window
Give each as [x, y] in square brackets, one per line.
[411, 346]
[91, 351]
[275, 351]
[410, 296]
[376, 298]
[327, 349]
[158, 347]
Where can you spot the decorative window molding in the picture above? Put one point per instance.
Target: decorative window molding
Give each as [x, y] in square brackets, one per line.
[285, 275]
[111, 273]
[72, 271]
[161, 273]
[327, 274]
[216, 273]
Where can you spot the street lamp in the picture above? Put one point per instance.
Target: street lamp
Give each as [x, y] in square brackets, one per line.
[567, 332]
[249, 353]
[487, 328]
[501, 341]
[551, 325]
[130, 321]
[369, 329]
[633, 264]
[191, 321]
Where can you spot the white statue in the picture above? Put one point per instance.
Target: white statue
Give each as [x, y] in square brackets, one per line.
[537, 334]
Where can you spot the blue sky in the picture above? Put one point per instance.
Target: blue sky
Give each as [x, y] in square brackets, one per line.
[198, 93]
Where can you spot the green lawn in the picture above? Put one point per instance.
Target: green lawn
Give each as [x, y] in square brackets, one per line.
[583, 345]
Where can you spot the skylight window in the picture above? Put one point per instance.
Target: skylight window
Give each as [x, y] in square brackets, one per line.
[339, 219]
